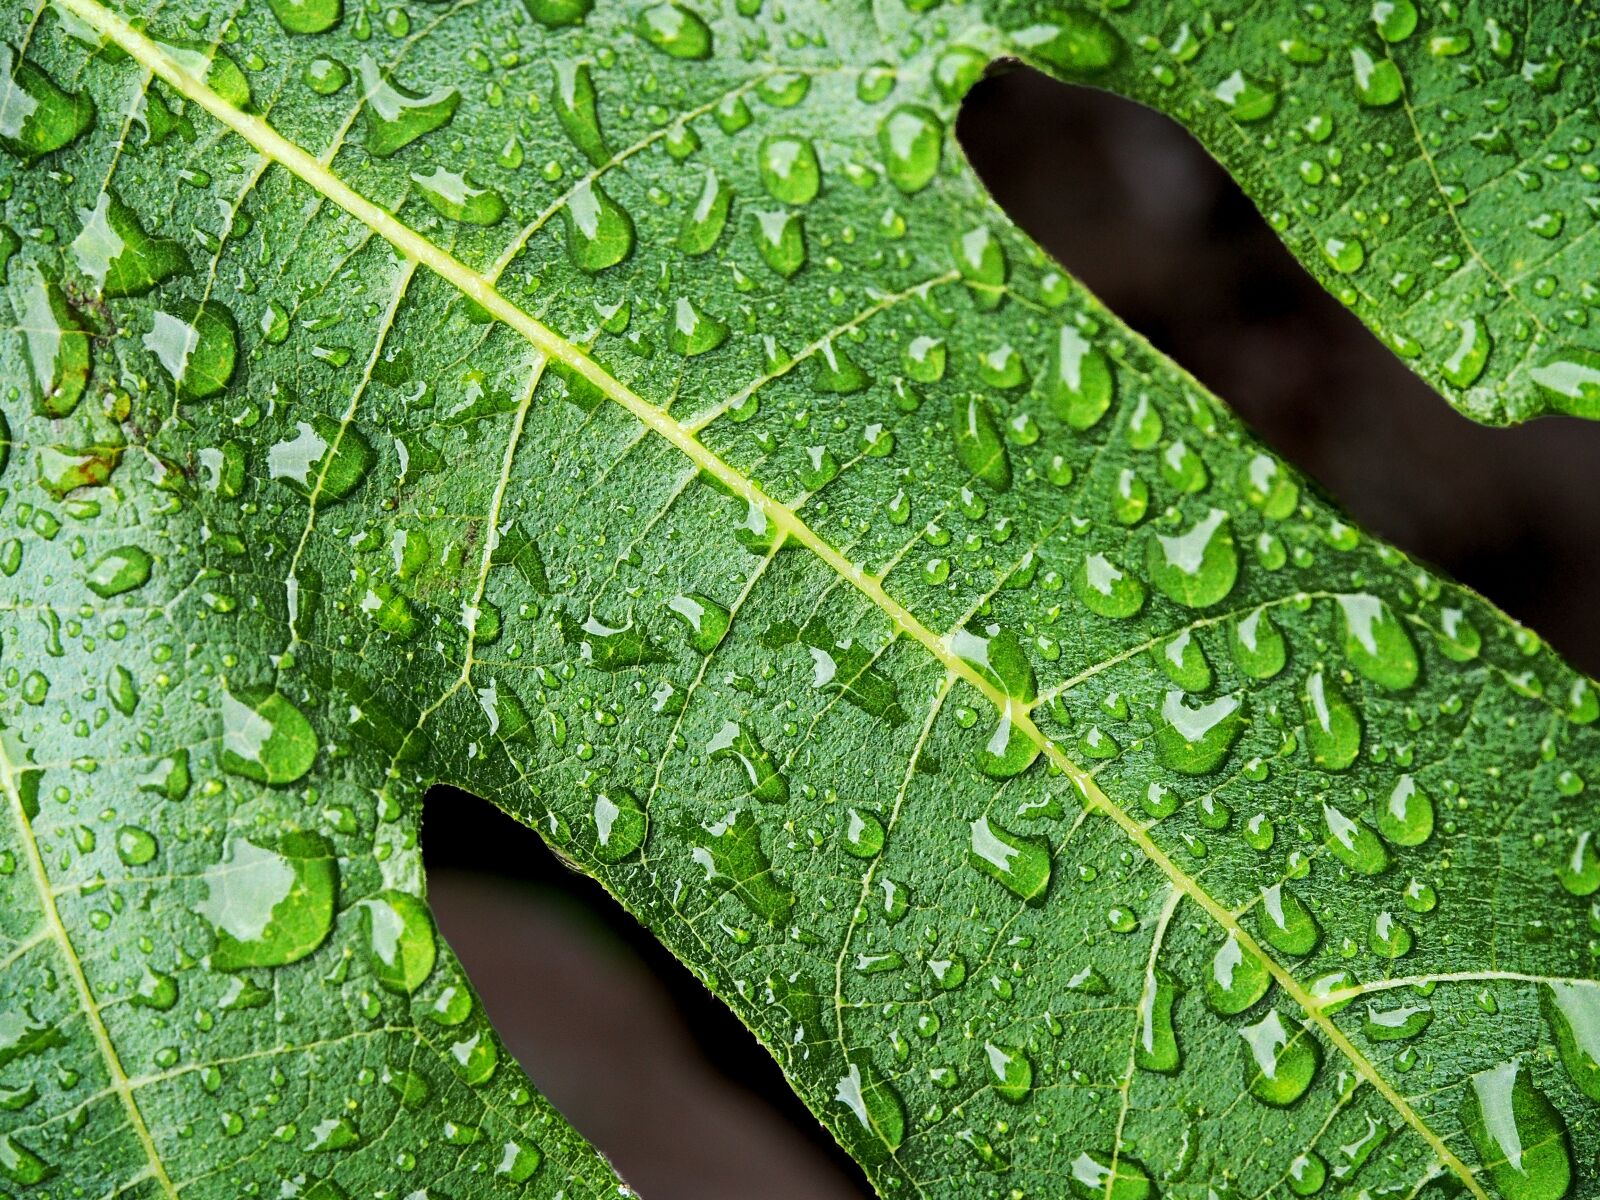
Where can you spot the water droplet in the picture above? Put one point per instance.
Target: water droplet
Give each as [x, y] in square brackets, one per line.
[271, 905]
[323, 459]
[1467, 360]
[1155, 1046]
[863, 834]
[1520, 1137]
[198, 344]
[1078, 380]
[325, 76]
[1237, 979]
[135, 846]
[1579, 872]
[577, 110]
[1021, 864]
[265, 737]
[1390, 938]
[1281, 1060]
[114, 250]
[1197, 568]
[707, 620]
[620, 825]
[781, 241]
[1106, 590]
[982, 263]
[1074, 42]
[400, 940]
[1258, 646]
[456, 197]
[1344, 254]
[979, 447]
[117, 571]
[307, 16]
[1183, 661]
[1246, 99]
[874, 1105]
[790, 170]
[1194, 741]
[1572, 1010]
[1406, 818]
[395, 116]
[1010, 1072]
[674, 30]
[1285, 922]
[732, 742]
[703, 224]
[556, 13]
[599, 230]
[1009, 751]
[1376, 642]
[911, 139]
[610, 647]
[37, 116]
[1353, 842]
[1395, 19]
[1571, 380]
[18, 1163]
[1396, 1024]
[1333, 730]
[998, 655]
[1378, 80]
[55, 342]
[1102, 1175]
[694, 331]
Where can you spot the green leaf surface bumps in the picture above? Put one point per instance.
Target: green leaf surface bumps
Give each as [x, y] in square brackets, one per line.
[638, 415]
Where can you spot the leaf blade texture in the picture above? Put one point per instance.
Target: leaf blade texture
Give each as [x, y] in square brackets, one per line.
[639, 416]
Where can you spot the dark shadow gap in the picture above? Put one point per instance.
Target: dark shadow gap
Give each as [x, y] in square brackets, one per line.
[646, 1063]
[1133, 206]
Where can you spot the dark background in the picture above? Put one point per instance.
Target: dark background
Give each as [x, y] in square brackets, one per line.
[641, 1059]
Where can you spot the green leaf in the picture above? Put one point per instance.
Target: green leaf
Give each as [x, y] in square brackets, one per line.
[1062, 789]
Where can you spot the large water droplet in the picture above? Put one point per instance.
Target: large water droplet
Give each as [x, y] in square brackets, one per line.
[37, 116]
[1010, 1071]
[271, 905]
[1333, 730]
[198, 344]
[1520, 1137]
[874, 1105]
[123, 569]
[307, 16]
[1197, 568]
[55, 342]
[265, 737]
[1021, 864]
[1106, 589]
[114, 250]
[395, 116]
[1102, 1175]
[1281, 1060]
[1353, 842]
[620, 825]
[703, 224]
[1078, 380]
[1194, 741]
[1376, 642]
[1237, 979]
[1572, 1010]
[1155, 1046]
[911, 139]
[674, 30]
[456, 197]
[577, 109]
[1075, 42]
[734, 743]
[1406, 817]
[980, 449]
[599, 230]
[1285, 922]
[400, 940]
